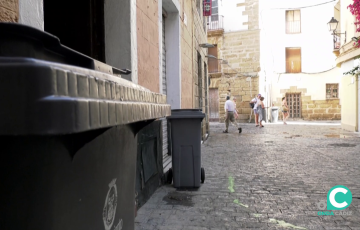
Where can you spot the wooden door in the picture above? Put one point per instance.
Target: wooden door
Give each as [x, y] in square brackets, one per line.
[212, 62]
[294, 103]
[214, 104]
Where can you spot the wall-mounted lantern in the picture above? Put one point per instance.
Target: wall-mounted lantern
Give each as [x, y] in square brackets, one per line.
[332, 24]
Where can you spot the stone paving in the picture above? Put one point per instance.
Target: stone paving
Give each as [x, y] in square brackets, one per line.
[268, 178]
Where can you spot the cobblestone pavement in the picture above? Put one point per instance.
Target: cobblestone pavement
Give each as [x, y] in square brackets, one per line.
[268, 178]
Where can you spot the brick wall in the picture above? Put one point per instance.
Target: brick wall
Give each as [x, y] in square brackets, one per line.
[148, 44]
[9, 11]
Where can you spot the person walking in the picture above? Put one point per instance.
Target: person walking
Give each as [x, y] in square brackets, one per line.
[255, 102]
[261, 111]
[285, 110]
[229, 115]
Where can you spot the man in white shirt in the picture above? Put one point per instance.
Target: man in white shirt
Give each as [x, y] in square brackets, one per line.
[255, 102]
[229, 114]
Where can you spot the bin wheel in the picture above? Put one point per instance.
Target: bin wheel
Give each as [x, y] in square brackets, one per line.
[240, 130]
[202, 175]
[169, 176]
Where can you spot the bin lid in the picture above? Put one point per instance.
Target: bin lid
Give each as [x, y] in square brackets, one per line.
[274, 108]
[42, 45]
[47, 98]
[186, 113]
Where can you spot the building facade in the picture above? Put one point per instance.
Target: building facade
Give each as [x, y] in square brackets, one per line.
[234, 61]
[347, 59]
[297, 59]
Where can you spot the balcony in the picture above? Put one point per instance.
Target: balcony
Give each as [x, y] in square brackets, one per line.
[293, 67]
[216, 26]
[293, 27]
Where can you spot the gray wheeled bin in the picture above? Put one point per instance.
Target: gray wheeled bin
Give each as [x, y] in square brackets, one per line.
[186, 148]
[274, 114]
[68, 134]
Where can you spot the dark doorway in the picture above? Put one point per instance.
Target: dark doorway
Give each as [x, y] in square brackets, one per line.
[294, 103]
[78, 24]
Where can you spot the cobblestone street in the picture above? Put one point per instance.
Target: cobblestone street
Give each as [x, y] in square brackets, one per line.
[268, 178]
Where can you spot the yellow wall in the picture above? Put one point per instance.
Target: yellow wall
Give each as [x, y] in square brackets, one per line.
[349, 103]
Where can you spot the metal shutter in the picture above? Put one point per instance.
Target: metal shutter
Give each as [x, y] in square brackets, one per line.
[163, 58]
[166, 157]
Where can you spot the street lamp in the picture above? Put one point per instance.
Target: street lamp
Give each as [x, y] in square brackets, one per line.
[206, 45]
[211, 56]
[333, 26]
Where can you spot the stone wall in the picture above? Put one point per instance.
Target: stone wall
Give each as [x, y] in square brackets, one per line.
[241, 49]
[238, 87]
[313, 109]
[199, 78]
[320, 110]
[148, 44]
[193, 85]
[9, 10]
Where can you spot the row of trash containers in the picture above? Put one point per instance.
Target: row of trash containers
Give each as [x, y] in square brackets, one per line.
[68, 151]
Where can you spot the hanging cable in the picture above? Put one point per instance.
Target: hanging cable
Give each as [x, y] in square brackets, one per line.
[303, 6]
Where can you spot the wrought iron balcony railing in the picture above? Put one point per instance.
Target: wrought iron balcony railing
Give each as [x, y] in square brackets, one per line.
[214, 25]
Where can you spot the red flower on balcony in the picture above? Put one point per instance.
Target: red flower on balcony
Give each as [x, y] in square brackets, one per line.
[355, 10]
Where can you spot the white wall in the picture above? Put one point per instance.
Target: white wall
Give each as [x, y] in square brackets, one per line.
[315, 40]
[31, 13]
[314, 83]
[233, 17]
[316, 45]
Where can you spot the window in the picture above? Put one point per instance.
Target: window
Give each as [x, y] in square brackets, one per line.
[293, 60]
[214, 11]
[332, 91]
[293, 22]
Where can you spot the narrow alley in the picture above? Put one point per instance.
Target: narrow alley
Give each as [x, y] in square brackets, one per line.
[269, 178]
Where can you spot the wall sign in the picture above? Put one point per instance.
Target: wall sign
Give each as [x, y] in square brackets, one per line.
[207, 8]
